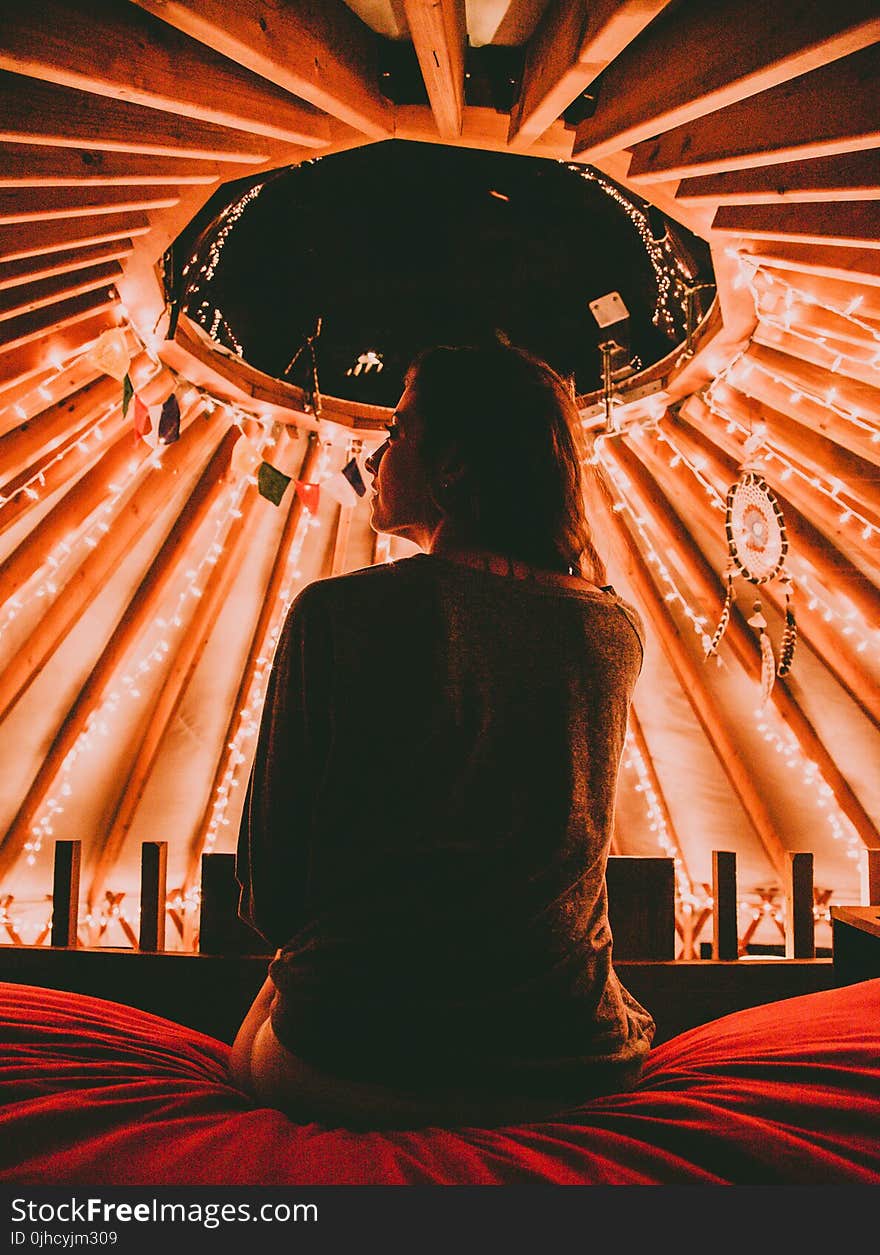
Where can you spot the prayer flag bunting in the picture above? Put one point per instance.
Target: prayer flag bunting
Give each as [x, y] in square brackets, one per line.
[142, 423]
[245, 458]
[169, 421]
[309, 495]
[110, 353]
[127, 394]
[271, 483]
[347, 486]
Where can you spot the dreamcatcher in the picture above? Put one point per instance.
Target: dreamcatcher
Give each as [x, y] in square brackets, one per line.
[757, 545]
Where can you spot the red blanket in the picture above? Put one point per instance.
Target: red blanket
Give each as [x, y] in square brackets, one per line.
[93, 1092]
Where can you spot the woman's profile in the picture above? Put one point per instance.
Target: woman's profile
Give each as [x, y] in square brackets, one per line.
[431, 806]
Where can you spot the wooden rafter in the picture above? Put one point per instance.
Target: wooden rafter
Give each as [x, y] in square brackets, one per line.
[29, 270]
[147, 62]
[571, 46]
[691, 677]
[136, 617]
[39, 204]
[260, 646]
[669, 77]
[638, 734]
[843, 294]
[29, 165]
[832, 110]
[33, 240]
[848, 265]
[44, 113]
[321, 53]
[846, 222]
[438, 31]
[826, 643]
[845, 176]
[98, 567]
[29, 328]
[744, 644]
[33, 358]
[24, 299]
[838, 357]
[191, 646]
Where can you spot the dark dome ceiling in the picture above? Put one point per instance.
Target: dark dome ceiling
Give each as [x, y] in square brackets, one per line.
[400, 245]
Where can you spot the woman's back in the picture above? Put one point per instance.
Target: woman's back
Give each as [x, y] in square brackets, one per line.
[428, 824]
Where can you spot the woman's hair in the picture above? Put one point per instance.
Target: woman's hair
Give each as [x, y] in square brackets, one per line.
[500, 443]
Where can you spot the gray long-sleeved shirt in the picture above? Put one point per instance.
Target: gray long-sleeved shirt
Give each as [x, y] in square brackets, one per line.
[427, 827]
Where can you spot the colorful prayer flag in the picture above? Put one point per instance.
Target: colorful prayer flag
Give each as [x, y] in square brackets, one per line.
[169, 421]
[309, 495]
[127, 394]
[271, 483]
[347, 486]
[110, 353]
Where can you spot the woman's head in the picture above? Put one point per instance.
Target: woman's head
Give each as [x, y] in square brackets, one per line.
[484, 443]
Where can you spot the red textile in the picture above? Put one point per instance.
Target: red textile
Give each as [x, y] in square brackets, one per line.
[93, 1092]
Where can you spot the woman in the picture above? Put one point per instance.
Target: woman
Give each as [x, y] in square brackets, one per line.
[431, 806]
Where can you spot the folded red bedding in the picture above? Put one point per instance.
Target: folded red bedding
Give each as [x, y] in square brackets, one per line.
[93, 1092]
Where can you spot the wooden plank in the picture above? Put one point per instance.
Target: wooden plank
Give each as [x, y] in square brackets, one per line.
[147, 62]
[29, 165]
[869, 878]
[321, 53]
[16, 332]
[799, 923]
[52, 237]
[846, 223]
[849, 394]
[835, 356]
[831, 110]
[860, 299]
[220, 929]
[154, 882]
[34, 357]
[25, 299]
[65, 893]
[38, 204]
[687, 65]
[849, 265]
[641, 907]
[439, 35]
[571, 46]
[138, 614]
[29, 270]
[724, 913]
[43, 113]
[844, 176]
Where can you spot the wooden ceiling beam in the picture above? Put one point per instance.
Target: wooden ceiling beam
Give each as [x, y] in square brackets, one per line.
[834, 356]
[850, 293]
[744, 643]
[27, 328]
[26, 298]
[641, 743]
[851, 394]
[41, 205]
[100, 563]
[571, 46]
[145, 61]
[36, 356]
[848, 265]
[831, 110]
[39, 113]
[137, 616]
[31, 165]
[844, 176]
[262, 645]
[321, 53]
[842, 662]
[135, 773]
[689, 63]
[439, 34]
[30, 270]
[690, 675]
[840, 224]
[33, 240]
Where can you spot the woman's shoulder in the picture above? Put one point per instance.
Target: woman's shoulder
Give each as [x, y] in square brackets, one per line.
[359, 584]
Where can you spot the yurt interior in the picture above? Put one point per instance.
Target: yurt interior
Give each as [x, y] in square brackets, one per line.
[225, 231]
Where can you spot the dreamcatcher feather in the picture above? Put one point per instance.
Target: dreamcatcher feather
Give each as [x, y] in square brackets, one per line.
[757, 546]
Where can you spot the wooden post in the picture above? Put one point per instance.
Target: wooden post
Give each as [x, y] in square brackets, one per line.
[799, 924]
[724, 927]
[65, 894]
[221, 931]
[869, 878]
[641, 906]
[154, 874]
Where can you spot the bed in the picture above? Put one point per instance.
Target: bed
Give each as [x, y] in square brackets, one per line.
[787, 1093]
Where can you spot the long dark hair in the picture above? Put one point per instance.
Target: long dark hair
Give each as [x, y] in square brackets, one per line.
[508, 424]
